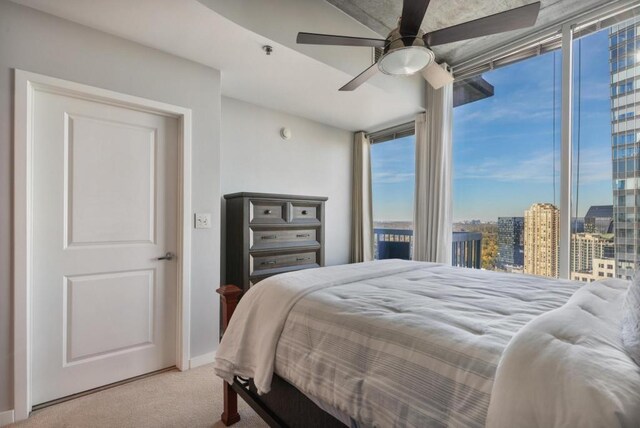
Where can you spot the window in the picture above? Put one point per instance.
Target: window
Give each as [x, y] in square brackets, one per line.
[495, 144]
[507, 163]
[621, 88]
[506, 151]
[392, 174]
[606, 158]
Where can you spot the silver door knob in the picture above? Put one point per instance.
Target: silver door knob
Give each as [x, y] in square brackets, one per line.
[167, 256]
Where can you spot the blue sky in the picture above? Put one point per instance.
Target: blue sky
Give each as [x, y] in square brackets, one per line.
[393, 168]
[503, 145]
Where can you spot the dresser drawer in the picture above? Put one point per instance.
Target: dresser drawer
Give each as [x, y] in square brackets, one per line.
[263, 263]
[269, 234]
[304, 212]
[267, 212]
[279, 238]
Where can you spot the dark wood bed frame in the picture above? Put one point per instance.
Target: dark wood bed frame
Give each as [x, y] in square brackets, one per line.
[284, 405]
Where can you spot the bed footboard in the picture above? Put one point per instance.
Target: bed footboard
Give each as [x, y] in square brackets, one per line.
[284, 406]
[229, 297]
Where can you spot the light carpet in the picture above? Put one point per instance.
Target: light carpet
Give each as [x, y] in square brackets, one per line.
[172, 399]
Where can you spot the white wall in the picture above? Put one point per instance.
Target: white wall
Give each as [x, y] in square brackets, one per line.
[41, 43]
[315, 161]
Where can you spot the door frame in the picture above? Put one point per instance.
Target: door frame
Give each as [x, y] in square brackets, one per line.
[26, 84]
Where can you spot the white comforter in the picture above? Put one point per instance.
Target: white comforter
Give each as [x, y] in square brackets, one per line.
[248, 347]
[567, 368]
[452, 326]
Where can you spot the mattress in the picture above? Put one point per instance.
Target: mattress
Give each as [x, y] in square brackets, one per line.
[389, 343]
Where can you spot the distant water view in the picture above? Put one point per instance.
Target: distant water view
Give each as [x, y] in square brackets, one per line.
[402, 225]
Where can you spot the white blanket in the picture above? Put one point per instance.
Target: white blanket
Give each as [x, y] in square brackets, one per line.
[414, 349]
[390, 343]
[568, 368]
[248, 347]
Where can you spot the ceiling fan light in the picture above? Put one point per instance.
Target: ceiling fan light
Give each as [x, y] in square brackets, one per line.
[405, 61]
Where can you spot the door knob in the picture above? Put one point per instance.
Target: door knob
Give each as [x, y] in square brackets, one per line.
[167, 256]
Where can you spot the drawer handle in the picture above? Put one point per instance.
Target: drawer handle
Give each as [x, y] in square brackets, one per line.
[270, 262]
[302, 235]
[269, 237]
[301, 259]
[305, 212]
[267, 212]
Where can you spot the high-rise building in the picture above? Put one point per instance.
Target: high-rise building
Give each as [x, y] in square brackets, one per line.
[577, 224]
[541, 234]
[510, 242]
[625, 136]
[599, 219]
[602, 269]
[585, 247]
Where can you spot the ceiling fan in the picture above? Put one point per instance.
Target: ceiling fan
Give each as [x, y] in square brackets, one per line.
[407, 49]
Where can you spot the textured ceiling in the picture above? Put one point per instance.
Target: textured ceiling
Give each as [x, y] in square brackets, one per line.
[382, 15]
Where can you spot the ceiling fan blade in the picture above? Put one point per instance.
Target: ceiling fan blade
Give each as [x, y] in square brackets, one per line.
[330, 39]
[361, 78]
[514, 19]
[413, 12]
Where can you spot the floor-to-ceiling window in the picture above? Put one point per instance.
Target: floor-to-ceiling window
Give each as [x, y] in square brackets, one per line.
[392, 173]
[606, 157]
[393, 184]
[506, 151]
[534, 160]
[548, 178]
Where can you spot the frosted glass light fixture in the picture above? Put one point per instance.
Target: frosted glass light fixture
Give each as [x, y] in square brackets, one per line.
[405, 61]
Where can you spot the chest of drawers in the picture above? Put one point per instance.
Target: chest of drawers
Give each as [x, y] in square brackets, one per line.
[268, 234]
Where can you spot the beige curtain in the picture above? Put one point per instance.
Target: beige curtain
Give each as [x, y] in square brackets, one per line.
[432, 217]
[361, 209]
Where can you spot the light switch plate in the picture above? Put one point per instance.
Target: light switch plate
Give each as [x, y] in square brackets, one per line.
[203, 221]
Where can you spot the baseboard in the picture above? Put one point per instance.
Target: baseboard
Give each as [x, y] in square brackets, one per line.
[6, 418]
[201, 360]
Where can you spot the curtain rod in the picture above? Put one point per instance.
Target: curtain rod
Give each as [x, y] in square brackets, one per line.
[392, 129]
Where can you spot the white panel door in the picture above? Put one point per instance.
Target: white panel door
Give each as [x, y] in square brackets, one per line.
[105, 208]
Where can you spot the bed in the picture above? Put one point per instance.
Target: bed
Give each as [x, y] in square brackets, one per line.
[399, 343]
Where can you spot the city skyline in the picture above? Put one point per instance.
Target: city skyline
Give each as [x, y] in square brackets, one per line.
[506, 151]
[503, 146]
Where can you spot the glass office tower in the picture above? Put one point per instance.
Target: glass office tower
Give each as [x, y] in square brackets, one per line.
[510, 242]
[625, 139]
[599, 219]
